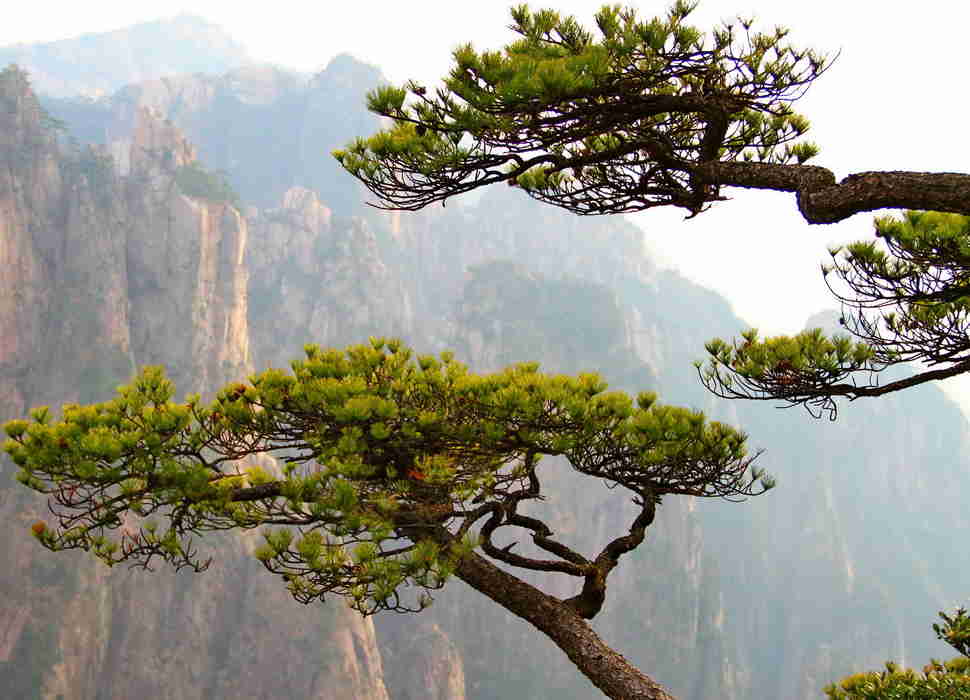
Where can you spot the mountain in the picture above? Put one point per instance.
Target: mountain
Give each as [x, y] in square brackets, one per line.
[270, 128]
[99, 64]
[839, 568]
[104, 273]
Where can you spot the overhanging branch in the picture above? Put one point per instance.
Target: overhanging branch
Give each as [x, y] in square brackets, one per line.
[590, 600]
[822, 200]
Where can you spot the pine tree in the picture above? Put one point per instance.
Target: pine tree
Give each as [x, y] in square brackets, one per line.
[638, 114]
[938, 681]
[648, 113]
[395, 473]
[905, 298]
[654, 113]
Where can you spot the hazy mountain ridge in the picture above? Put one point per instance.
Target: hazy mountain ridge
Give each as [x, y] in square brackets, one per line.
[771, 598]
[270, 128]
[99, 63]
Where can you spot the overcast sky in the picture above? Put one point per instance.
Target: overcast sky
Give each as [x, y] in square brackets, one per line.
[894, 100]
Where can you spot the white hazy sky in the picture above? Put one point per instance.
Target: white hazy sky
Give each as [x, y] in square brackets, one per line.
[894, 100]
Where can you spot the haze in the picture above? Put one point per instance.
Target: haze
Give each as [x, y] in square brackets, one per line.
[196, 222]
[888, 103]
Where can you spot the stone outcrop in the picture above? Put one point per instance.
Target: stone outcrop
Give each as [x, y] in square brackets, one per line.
[102, 274]
[186, 255]
[422, 662]
[319, 280]
[271, 128]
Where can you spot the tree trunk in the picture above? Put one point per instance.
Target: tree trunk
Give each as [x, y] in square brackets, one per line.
[822, 200]
[607, 669]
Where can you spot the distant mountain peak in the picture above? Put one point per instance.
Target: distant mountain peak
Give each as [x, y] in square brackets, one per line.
[347, 70]
[96, 64]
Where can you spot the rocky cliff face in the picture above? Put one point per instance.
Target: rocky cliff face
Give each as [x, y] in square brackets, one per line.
[186, 254]
[271, 128]
[104, 273]
[63, 250]
[317, 279]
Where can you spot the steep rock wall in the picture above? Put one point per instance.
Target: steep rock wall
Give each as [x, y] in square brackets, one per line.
[103, 274]
[317, 279]
[270, 128]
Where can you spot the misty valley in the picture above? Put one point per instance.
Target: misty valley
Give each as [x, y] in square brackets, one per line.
[196, 220]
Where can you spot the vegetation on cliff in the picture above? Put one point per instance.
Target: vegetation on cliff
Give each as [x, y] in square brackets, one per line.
[395, 470]
[197, 181]
[656, 113]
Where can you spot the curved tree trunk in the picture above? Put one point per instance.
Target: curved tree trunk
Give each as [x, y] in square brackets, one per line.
[822, 200]
[607, 669]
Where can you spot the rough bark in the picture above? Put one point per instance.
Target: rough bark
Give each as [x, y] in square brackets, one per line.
[590, 600]
[822, 200]
[607, 669]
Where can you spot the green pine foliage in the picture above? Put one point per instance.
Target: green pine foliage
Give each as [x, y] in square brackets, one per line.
[378, 451]
[596, 122]
[798, 369]
[938, 681]
[194, 180]
[955, 630]
[905, 297]
[946, 681]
